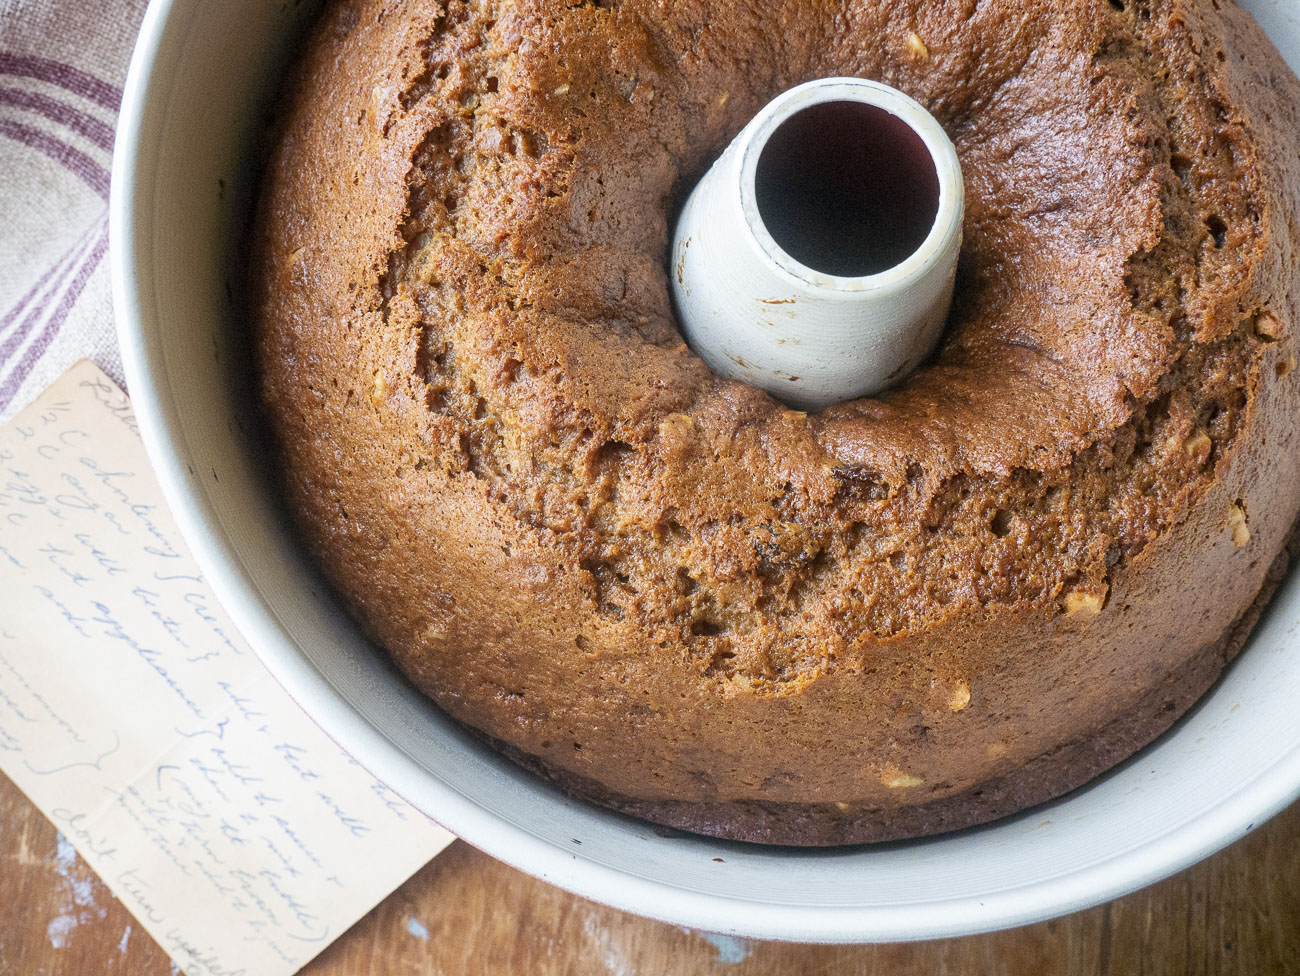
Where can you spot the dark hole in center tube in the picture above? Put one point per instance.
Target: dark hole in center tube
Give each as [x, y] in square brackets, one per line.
[847, 189]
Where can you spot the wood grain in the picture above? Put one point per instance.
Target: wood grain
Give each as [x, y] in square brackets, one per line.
[464, 913]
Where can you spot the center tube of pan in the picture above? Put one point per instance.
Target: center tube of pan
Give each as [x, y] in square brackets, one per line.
[816, 258]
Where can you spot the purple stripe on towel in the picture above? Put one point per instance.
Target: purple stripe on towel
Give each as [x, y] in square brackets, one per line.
[64, 76]
[73, 160]
[66, 266]
[100, 133]
[9, 387]
[60, 268]
[18, 309]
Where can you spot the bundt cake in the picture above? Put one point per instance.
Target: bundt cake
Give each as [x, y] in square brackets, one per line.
[672, 594]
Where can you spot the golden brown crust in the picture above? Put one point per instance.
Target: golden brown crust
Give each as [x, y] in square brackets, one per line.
[1043, 778]
[577, 539]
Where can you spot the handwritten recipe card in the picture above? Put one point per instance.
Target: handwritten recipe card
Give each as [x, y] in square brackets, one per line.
[133, 715]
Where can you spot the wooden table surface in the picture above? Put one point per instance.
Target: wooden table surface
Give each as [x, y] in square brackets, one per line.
[464, 913]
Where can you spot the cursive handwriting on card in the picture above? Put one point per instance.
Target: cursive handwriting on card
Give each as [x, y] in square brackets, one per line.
[131, 712]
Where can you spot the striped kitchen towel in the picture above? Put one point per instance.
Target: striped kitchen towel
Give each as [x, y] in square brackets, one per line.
[62, 64]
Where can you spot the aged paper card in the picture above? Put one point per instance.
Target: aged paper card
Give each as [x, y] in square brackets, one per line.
[133, 715]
